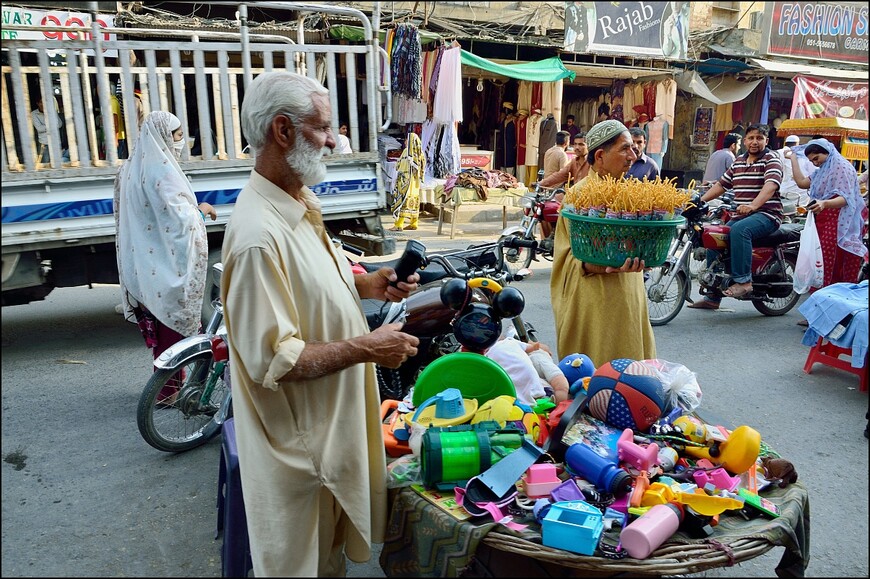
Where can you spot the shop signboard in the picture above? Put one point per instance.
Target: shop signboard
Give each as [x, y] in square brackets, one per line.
[66, 19]
[647, 29]
[477, 159]
[816, 98]
[825, 31]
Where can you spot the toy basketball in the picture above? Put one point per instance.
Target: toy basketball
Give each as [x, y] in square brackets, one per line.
[627, 394]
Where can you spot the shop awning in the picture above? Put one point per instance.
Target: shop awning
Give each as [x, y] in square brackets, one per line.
[822, 71]
[715, 66]
[719, 90]
[547, 70]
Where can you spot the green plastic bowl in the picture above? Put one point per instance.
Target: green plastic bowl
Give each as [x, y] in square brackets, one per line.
[475, 375]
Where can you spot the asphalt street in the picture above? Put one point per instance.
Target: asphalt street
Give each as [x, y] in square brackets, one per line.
[84, 495]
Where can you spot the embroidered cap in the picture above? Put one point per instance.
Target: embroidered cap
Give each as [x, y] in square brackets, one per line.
[792, 140]
[603, 132]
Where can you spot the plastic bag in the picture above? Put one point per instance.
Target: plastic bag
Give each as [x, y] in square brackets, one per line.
[680, 384]
[809, 271]
[403, 472]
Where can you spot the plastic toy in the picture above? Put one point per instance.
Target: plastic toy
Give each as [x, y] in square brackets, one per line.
[574, 526]
[736, 454]
[640, 457]
[540, 480]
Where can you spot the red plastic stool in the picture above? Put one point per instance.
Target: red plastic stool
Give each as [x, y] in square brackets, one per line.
[826, 353]
[231, 520]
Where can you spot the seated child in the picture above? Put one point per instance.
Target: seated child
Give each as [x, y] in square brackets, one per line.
[532, 369]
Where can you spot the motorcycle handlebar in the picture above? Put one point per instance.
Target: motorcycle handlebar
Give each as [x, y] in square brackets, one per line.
[550, 192]
[496, 271]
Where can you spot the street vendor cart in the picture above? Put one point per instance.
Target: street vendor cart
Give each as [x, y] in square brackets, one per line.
[848, 135]
[428, 537]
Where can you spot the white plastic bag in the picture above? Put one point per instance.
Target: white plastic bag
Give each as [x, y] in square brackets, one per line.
[809, 272]
[680, 384]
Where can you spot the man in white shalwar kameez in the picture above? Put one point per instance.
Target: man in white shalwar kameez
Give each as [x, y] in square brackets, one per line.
[305, 397]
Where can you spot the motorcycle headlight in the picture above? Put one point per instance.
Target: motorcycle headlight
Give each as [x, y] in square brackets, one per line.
[527, 202]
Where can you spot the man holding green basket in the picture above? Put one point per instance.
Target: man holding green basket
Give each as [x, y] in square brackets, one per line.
[600, 311]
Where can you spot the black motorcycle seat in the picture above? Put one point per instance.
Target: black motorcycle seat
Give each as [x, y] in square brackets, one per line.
[786, 233]
[433, 271]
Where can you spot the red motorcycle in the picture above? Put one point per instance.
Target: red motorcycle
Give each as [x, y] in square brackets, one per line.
[773, 263]
[537, 208]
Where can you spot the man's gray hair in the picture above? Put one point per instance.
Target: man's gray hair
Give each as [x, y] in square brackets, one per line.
[274, 93]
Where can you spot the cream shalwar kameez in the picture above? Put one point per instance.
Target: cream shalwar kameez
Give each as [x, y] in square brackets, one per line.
[601, 315]
[300, 443]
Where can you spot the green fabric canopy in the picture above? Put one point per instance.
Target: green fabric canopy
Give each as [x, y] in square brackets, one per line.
[547, 70]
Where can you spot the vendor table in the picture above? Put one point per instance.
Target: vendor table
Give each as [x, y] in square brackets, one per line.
[424, 541]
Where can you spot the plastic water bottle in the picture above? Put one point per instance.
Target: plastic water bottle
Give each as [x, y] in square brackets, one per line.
[647, 533]
[601, 471]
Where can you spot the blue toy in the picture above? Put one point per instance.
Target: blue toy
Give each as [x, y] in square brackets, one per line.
[576, 367]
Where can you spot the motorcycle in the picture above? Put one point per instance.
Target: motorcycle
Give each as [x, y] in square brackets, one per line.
[427, 317]
[537, 208]
[188, 397]
[773, 262]
[187, 400]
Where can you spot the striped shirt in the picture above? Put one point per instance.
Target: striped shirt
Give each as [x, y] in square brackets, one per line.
[747, 179]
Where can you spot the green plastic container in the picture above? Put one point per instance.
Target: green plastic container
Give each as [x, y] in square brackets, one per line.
[475, 375]
[603, 241]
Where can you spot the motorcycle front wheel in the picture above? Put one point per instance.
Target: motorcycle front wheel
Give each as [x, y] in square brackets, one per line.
[779, 306]
[664, 305]
[172, 416]
[517, 258]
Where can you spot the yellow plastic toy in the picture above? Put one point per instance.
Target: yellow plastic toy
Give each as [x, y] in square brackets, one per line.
[708, 505]
[736, 454]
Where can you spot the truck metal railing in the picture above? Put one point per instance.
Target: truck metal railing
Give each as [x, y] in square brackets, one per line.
[201, 81]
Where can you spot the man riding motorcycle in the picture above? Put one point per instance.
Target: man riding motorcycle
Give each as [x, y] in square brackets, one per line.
[571, 173]
[755, 178]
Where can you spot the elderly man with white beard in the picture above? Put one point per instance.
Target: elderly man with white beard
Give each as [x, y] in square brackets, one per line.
[305, 397]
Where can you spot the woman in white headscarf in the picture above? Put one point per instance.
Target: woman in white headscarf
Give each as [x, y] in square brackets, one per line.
[161, 240]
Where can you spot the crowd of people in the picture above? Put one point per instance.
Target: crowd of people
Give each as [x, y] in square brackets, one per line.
[302, 355]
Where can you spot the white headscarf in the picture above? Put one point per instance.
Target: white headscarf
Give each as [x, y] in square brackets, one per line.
[161, 237]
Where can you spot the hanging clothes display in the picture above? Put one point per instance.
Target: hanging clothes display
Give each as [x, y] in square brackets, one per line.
[666, 102]
[533, 137]
[405, 61]
[522, 122]
[448, 98]
[657, 139]
[549, 128]
[440, 150]
[524, 96]
[406, 189]
[508, 143]
[616, 92]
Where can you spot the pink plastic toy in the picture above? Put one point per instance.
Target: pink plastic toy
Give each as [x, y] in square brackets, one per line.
[540, 480]
[718, 477]
[642, 458]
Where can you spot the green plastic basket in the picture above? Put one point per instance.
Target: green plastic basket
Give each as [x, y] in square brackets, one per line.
[604, 241]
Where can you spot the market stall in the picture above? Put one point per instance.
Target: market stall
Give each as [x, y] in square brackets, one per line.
[615, 469]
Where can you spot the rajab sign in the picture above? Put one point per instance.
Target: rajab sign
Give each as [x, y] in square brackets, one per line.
[649, 29]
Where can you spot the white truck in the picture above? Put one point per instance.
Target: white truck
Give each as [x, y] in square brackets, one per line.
[58, 224]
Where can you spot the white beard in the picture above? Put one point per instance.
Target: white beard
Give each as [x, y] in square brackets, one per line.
[305, 161]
